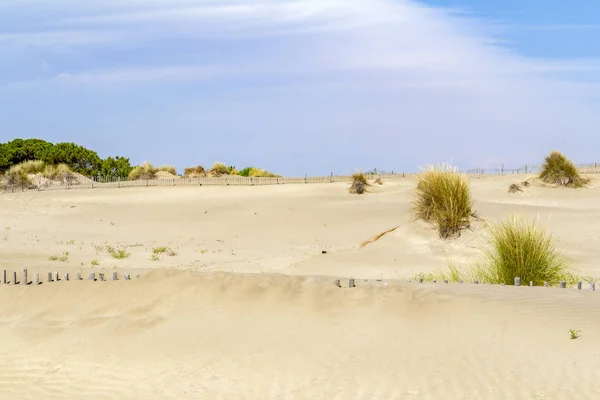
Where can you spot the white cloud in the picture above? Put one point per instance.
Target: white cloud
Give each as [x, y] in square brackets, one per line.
[334, 67]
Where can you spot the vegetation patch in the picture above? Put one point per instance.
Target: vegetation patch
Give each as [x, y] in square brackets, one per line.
[443, 197]
[359, 183]
[559, 170]
[144, 171]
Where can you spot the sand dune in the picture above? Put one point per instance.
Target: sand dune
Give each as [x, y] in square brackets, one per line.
[247, 307]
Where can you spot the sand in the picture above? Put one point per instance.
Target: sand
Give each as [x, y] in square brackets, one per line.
[246, 307]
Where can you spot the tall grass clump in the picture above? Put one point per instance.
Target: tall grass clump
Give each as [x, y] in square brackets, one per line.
[359, 183]
[60, 171]
[519, 248]
[194, 171]
[443, 197]
[558, 169]
[219, 168]
[144, 171]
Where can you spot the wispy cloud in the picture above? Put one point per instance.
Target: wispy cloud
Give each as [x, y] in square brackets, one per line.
[389, 73]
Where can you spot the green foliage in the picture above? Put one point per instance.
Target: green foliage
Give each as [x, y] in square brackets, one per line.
[517, 248]
[443, 196]
[117, 167]
[78, 158]
[574, 333]
[245, 172]
[558, 169]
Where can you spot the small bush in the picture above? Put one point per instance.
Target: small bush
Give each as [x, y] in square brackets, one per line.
[558, 169]
[15, 178]
[232, 170]
[31, 167]
[144, 171]
[516, 248]
[245, 172]
[167, 168]
[514, 188]
[359, 183]
[194, 171]
[378, 181]
[443, 197]
[219, 168]
[58, 172]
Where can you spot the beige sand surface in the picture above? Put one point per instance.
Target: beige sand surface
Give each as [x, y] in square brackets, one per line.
[182, 331]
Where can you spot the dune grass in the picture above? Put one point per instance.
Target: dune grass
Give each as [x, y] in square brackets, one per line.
[359, 183]
[443, 197]
[219, 168]
[194, 171]
[517, 247]
[167, 168]
[558, 169]
[144, 171]
[512, 248]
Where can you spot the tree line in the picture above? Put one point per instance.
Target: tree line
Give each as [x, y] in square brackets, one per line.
[78, 158]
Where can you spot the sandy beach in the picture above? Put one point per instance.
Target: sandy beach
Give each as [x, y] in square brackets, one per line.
[242, 303]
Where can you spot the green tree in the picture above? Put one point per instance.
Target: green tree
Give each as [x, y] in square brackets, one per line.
[78, 158]
[20, 150]
[118, 167]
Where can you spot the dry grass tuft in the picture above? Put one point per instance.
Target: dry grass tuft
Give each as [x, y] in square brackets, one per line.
[514, 188]
[378, 181]
[167, 168]
[144, 171]
[559, 170]
[443, 197]
[359, 183]
[195, 171]
[219, 169]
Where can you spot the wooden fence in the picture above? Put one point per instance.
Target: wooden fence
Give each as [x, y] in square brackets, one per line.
[13, 277]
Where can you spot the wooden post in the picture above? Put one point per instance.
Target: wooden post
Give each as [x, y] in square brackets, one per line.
[66, 276]
[92, 276]
[331, 178]
[127, 277]
[563, 285]
[351, 283]
[305, 178]
[420, 280]
[14, 279]
[56, 277]
[36, 279]
[78, 276]
[545, 284]
[4, 281]
[502, 169]
[579, 285]
[114, 276]
[445, 280]
[338, 283]
[530, 283]
[137, 276]
[517, 281]
[101, 276]
[592, 286]
[461, 281]
[25, 280]
[476, 282]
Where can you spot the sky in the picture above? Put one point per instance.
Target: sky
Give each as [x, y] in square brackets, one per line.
[305, 86]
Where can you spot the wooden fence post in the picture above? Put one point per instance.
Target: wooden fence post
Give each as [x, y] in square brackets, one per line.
[545, 284]
[14, 279]
[351, 283]
[592, 286]
[517, 281]
[114, 276]
[66, 276]
[579, 285]
[25, 281]
[4, 277]
[56, 277]
[331, 178]
[563, 285]
[78, 276]
[530, 283]
[92, 276]
[36, 279]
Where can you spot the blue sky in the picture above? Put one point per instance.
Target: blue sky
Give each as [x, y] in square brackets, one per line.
[305, 86]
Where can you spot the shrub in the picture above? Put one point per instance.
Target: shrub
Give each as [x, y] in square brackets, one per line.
[558, 169]
[15, 178]
[167, 168]
[219, 168]
[31, 167]
[378, 180]
[232, 170]
[199, 170]
[261, 173]
[516, 248]
[245, 172]
[144, 171]
[514, 188]
[359, 183]
[60, 171]
[443, 197]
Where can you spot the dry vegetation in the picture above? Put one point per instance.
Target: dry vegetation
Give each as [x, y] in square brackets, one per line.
[359, 183]
[144, 171]
[443, 197]
[24, 174]
[559, 170]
